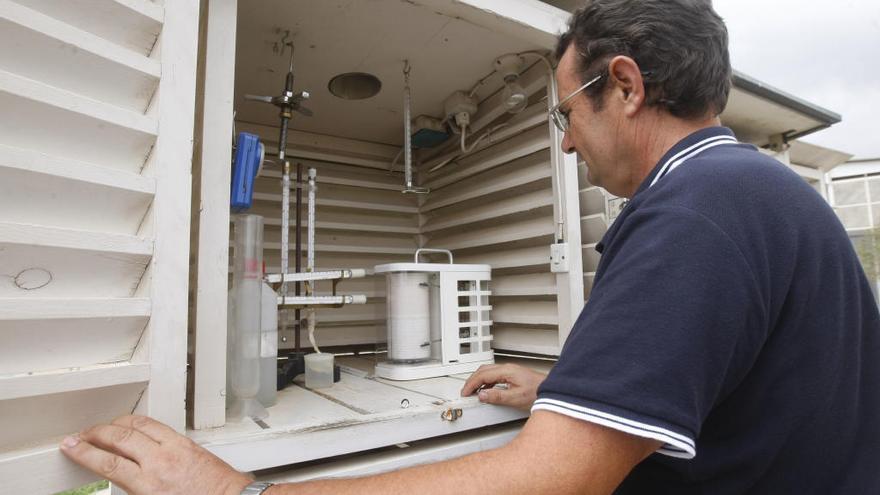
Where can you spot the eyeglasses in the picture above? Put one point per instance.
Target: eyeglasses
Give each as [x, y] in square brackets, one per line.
[559, 117]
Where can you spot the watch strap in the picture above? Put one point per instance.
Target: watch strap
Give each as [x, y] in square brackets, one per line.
[256, 488]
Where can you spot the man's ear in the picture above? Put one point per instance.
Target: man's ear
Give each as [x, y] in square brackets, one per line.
[627, 84]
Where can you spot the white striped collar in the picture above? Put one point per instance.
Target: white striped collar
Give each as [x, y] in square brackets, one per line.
[691, 151]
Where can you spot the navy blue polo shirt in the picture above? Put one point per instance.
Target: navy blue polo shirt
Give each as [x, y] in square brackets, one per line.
[731, 320]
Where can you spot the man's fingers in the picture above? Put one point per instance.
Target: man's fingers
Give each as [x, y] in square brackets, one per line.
[499, 396]
[148, 426]
[486, 375]
[121, 440]
[117, 469]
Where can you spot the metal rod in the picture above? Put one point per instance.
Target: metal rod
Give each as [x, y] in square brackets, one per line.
[310, 266]
[285, 225]
[298, 253]
[310, 261]
[407, 130]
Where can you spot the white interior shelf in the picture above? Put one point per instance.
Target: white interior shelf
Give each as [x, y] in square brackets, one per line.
[356, 414]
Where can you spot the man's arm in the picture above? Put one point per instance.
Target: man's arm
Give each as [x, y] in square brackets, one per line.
[552, 454]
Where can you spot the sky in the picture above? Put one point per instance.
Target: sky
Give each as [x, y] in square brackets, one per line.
[827, 53]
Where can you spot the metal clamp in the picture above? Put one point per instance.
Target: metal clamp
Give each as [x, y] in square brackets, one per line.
[451, 414]
[441, 251]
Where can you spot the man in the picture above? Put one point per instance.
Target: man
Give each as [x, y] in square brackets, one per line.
[730, 341]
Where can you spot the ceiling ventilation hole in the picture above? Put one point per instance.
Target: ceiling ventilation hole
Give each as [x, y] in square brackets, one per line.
[355, 86]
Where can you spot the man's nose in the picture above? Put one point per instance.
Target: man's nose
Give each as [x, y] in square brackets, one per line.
[567, 143]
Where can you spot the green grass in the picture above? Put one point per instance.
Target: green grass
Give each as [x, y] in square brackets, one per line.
[88, 489]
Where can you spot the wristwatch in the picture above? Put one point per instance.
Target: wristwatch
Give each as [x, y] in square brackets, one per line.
[256, 488]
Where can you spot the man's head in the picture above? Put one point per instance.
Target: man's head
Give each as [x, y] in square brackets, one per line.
[663, 68]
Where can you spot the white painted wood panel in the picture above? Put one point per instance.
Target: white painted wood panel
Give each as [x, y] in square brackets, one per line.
[133, 24]
[50, 417]
[593, 228]
[533, 340]
[530, 284]
[591, 199]
[411, 454]
[358, 414]
[67, 272]
[525, 312]
[590, 257]
[64, 343]
[44, 49]
[57, 381]
[94, 223]
[66, 125]
[28, 197]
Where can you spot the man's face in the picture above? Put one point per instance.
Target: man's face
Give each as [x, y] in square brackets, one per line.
[593, 135]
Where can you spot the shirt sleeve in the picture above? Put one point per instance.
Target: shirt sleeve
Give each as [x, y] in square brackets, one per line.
[674, 321]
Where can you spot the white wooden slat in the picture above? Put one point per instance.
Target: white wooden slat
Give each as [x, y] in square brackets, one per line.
[33, 235]
[70, 272]
[367, 220]
[353, 227]
[208, 310]
[532, 229]
[533, 80]
[591, 258]
[466, 214]
[32, 345]
[336, 260]
[337, 192]
[336, 203]
[354, 313]
[591, 201]
[532, 257]
[47, 50]
[341, 146]
[51, 416]
[12, 308]
[66, 380]
[353, 238]
[367, 333]
[41, 469]
[530, 284]
[166, 334]
[108, 114]
[582, 175]
[337, 248]
[527, 119]
[520, 173]
[294, 153]
[61, 200]
[65, 125]
[328, 175]
[593, 228]
[531, 142]
[133, 24]
[525, 312]
[544, 341]
[73, 170]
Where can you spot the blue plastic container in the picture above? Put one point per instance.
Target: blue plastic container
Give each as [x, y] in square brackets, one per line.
[248, 155]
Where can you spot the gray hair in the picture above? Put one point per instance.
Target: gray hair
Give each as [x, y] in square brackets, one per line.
[680, 46]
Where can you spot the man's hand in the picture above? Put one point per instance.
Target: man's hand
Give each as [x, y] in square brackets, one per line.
[522, 385]
[144, 456]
